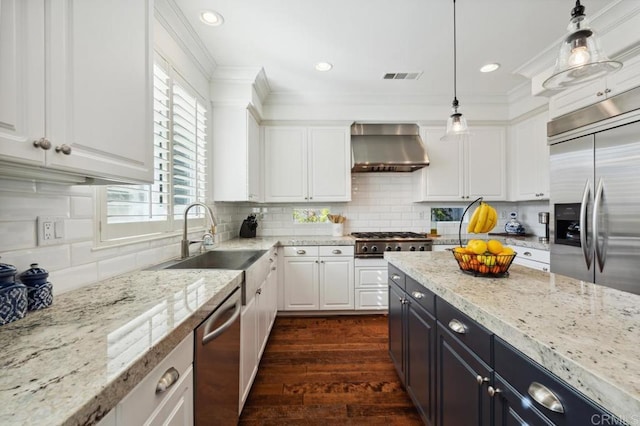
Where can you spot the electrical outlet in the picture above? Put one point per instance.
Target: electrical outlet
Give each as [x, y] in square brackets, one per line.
[50, 230]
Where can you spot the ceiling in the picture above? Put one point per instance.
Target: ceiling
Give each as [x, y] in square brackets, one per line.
[364, 39]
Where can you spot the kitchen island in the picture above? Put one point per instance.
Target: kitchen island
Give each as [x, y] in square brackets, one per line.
[584, 333]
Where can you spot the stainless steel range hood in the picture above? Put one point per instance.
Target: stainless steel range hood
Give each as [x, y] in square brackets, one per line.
[387, 148]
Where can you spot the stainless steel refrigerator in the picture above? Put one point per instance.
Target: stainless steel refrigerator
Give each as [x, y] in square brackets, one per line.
[595, 193]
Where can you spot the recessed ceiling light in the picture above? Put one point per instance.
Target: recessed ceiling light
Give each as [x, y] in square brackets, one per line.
[212, 18]
[323, 66]
[490, 67]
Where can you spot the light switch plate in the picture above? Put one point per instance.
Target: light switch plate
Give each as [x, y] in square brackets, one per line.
[50, 230]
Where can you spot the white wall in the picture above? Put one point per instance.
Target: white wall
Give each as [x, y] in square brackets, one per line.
[380, 202]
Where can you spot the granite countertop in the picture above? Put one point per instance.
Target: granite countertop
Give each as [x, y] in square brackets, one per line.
[74, 361]
[584, 333]
[530, 242]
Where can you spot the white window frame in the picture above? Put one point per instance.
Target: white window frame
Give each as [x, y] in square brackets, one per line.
[119, 233]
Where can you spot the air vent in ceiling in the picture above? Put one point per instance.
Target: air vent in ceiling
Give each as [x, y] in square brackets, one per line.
[402, 75]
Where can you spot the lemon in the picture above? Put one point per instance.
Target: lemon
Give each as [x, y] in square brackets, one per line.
[507, 251]
[478, 247]
[494, 246]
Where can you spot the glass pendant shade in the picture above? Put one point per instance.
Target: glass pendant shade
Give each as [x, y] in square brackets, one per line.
[456, 127]
[580, 58]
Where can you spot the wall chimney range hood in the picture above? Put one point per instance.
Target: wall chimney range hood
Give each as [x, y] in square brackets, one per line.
[387, 148]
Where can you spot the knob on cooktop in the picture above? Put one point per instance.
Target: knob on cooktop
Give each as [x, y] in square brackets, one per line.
[374, 248]
[398, 248]
[365, 249]
[388, 248]
[412, 248]
[421, 248]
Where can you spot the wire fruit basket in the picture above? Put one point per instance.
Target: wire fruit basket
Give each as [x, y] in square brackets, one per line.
[485, 263]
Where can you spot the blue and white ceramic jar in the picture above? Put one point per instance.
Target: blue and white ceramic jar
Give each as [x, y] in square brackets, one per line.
[13, 295]
[39, 290]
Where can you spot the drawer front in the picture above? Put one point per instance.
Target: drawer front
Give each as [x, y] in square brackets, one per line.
[301, 251]
[336, 251]
[368, 299]
[532, 254]
[540, 266]
[143, 400]
[525, 375]
[396, 275]
[468, 331]
[371, 277]
[421, 295]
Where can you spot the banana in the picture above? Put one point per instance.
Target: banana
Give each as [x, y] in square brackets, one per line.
[492, 218]
[482, 218]
[474, 219]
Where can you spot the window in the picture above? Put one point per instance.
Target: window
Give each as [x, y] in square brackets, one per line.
[180, 165]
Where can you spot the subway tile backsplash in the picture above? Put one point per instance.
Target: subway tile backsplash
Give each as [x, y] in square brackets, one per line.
[380, 202]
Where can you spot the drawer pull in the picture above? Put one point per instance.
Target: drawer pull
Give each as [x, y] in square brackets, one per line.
[545, 269]
[418, 295]
[395, 277]
[168, 379]
[259, 291]
[543, 396]
[480, 380]
[493, 391]
[458, 326]
[301, 252]
[273, 268]
[527, 253]
[337, 251]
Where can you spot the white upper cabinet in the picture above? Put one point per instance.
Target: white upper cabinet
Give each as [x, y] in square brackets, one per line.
[530, 159]
[572, 99]
[464, 170]
[236, 155]
[307, 164]
[81, 81]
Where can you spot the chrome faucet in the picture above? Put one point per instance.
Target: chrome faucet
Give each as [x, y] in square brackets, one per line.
[185, 243]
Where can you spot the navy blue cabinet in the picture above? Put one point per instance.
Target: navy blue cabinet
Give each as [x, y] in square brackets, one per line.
[412, 336]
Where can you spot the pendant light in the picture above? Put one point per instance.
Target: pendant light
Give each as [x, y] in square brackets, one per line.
[456, 124]
[580, 58]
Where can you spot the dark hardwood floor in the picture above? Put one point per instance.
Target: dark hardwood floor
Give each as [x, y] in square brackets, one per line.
[328, 371]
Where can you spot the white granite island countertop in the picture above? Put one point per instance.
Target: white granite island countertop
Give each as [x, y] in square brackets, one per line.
[74, 361]
[586, 334]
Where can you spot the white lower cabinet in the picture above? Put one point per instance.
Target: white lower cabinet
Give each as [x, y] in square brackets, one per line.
[532, 258]
[256, 320]
[371, 288]
[318, 278]
[174, 406]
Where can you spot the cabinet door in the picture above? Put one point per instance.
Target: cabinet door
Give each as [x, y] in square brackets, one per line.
[177, 409]
[285, 162]
[99, 94]
[301, 284]
[421, 367]
[461, 400]
[576, 98]
[21, 80]
[530, 172]
[336, 283]
[329, 164]
[486, 164]
[254, 159]
[396, 329]
[443, 178]
[248, 348]
[231, 151]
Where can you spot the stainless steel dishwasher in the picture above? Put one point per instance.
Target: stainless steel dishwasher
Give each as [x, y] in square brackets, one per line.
[217, 365]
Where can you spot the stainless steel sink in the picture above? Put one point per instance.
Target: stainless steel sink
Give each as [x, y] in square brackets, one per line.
[216, 259]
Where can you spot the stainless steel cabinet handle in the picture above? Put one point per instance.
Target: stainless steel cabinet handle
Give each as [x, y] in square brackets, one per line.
[271, 259]
[598, 242]
[64, 148]
[301, 252]
[273, 268]
[599, 93]
[545, 269]
[395, 277]
[259, 291]
[418, 295]
[211, 335]
[543, 396]
[607, 90]
[43, 143]
[527, 253]
[168, 379]
[481, 380]
[493, 391]
[337, 251]
[458, 326]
